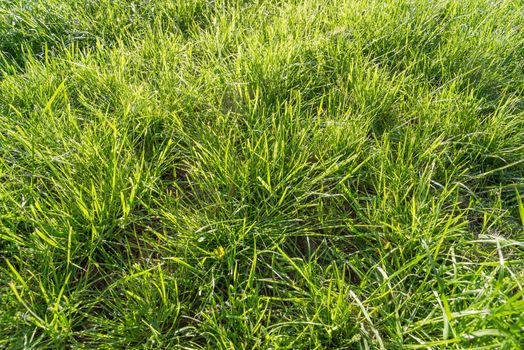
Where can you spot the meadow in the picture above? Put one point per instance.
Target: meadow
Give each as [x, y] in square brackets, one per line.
[261, 174]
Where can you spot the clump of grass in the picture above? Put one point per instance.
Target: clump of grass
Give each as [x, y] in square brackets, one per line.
[264, 174]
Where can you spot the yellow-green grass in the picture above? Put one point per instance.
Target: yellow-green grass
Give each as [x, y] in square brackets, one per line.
[269, 174]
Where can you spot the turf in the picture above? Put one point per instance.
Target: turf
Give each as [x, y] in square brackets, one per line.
[262, 174]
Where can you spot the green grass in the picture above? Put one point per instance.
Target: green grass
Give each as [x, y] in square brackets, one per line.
[261, 174]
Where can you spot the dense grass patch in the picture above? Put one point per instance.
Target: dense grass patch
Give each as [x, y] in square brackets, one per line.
[261, 174]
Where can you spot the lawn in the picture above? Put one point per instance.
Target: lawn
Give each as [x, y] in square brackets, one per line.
[265, 174]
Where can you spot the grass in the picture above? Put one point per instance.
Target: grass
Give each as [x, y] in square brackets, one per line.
[261, 174]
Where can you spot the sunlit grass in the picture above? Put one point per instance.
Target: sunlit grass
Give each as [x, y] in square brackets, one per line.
[261, 174]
